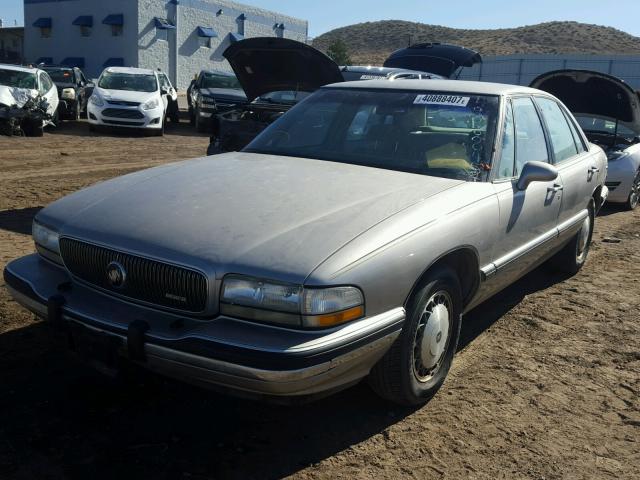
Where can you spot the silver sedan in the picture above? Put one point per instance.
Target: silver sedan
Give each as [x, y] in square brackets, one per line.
[346, 241]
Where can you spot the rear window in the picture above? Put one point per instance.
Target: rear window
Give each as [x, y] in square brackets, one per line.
[59, 75]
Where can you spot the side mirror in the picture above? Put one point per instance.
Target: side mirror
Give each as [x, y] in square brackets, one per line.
[164, 90]
[536, 172]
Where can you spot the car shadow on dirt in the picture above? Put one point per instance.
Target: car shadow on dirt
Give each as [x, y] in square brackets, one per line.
[18, 220]
[60, 419]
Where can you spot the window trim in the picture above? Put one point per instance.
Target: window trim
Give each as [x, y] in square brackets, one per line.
[506, 101]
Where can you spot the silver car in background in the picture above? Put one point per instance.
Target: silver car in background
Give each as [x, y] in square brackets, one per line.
[346, 241]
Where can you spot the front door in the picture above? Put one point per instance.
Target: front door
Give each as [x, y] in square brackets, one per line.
[528, 218]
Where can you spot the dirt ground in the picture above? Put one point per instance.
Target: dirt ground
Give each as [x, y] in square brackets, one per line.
[546, 384]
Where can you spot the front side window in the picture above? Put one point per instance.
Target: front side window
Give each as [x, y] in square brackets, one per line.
[562, 142]
[431, 133]
[530, 141]
[128, 81]
[16, 79]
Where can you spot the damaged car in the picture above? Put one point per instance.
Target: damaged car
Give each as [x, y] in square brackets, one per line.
[608, 111]
[213, 92]
[28, 100]
[345, 242]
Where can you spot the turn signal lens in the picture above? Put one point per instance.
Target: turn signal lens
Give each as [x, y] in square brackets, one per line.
[333, 319]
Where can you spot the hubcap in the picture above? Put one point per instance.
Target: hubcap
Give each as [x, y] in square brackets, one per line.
[583, 241]
[432, 336]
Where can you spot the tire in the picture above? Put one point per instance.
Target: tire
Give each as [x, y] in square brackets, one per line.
[634, 195]
[413, 370]
[574, 254]
[200, 126]
[33, 128]
[92, 127]
[192, 116]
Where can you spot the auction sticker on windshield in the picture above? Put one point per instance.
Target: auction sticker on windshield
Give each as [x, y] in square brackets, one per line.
[453, 100]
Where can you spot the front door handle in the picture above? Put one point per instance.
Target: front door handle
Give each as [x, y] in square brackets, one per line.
[556, 188]
[594, 170]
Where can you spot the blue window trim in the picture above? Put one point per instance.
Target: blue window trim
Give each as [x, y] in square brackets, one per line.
[114, 19]
[206, 32]
[43, 22]
[163, 24]
[84, 21]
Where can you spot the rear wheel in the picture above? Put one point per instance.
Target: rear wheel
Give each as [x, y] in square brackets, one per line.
[634, 195]
[416, 365]
[574, 255]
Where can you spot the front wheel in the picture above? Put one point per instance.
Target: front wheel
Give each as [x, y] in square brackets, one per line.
[416, 365]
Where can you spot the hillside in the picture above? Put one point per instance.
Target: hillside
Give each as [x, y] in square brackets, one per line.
[371, 42]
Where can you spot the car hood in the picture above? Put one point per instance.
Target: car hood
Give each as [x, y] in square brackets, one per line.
[11, 96]
[267, 64]
[439, 58]
[270, 216]
[125, 95]
[225, 93]
[593, 93]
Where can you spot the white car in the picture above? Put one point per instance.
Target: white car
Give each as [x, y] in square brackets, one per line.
[608, 110]
[20, 84]
[130, 98]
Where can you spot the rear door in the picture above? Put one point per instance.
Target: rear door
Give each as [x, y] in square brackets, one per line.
[576, 165]
[528, 218]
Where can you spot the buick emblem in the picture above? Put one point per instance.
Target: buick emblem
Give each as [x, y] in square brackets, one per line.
[116, 275]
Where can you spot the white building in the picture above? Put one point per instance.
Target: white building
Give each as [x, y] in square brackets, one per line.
[180, 37]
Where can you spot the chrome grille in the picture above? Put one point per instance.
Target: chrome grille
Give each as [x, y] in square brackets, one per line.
[122, 113]
[147, 280]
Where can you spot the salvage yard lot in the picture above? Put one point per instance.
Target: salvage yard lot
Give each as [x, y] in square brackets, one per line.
[546, 385]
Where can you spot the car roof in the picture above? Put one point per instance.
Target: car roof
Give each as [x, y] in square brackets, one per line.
[19, 68]
[436, 85]
[131, 70]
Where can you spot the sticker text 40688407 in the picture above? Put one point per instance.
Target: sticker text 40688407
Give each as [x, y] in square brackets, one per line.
[431, 99]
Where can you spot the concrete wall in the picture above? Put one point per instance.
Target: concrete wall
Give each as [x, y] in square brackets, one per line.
[66, 41]
[187, 16]
[522, 69]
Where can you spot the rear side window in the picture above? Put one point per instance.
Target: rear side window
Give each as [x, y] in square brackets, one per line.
[574, 131]
[506, 163]
[562, 142]
[530, 141]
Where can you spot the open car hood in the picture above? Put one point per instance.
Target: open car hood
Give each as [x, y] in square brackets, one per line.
[439, 58]
[268, 64]
[593, 93]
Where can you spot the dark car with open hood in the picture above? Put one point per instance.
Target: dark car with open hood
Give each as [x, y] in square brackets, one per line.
[213, 92]
[608, 111]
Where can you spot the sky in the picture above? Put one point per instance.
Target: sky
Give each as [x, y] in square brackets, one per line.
[325, 15]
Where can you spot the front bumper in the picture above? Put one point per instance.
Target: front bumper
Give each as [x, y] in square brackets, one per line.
[222, 353]
[152, 119]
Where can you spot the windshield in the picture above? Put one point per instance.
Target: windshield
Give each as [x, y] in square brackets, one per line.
[14, 78]
[214, 80]
[134, 82]
[283, 97]
[601, 125]
[438, 134]
[59, 75]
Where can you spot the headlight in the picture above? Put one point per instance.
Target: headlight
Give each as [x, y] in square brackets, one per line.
[47, 242]
[288, 304]
[96, 100]
[68, 94]
[151, 104]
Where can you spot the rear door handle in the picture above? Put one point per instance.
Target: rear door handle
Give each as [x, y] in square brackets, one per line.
[556, 188]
